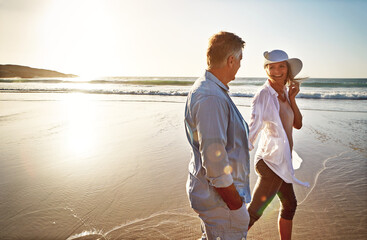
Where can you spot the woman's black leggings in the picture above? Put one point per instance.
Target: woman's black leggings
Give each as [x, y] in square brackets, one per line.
[267, 186]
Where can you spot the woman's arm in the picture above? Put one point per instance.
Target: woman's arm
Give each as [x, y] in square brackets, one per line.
[293, 91]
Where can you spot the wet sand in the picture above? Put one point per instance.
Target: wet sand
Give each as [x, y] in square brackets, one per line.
[76, 166]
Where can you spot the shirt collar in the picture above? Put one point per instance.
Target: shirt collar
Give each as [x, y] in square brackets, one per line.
[211, 77]
[272, 91]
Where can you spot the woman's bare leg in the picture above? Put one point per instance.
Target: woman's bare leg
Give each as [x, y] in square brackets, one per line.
[285, 228]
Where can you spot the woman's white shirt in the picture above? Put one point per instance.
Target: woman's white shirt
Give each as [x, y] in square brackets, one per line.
[273, 146]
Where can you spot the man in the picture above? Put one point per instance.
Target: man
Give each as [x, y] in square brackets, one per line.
[218, 181]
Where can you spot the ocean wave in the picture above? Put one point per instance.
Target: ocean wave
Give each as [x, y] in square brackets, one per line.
[187, 81]
[335, 96]
[99, 91]
[126, 81]
[184, 92]
[348, 83]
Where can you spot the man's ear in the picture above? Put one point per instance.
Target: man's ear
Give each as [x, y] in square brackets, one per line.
[230, 61]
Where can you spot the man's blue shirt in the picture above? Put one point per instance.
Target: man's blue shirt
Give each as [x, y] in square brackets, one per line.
[218, 136]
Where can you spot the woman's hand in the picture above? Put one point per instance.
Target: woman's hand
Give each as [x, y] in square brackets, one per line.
[293, 90]
[292, 93]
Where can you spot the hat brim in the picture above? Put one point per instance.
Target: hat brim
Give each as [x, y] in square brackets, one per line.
[295, 64]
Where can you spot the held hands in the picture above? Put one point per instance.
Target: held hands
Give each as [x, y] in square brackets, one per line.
[293, 90]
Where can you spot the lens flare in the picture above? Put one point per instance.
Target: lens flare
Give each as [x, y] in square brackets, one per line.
[215, 152]
[228, 170]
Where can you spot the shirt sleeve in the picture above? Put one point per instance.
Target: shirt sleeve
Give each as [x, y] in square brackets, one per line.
[257, 119]
[211, 118]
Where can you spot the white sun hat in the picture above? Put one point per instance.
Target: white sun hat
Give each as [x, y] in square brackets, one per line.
[280, 56]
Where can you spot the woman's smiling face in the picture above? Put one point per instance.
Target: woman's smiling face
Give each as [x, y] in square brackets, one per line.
[277, 72]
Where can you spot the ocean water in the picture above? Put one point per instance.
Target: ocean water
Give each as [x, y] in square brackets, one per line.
[339, 94]
[313, 88]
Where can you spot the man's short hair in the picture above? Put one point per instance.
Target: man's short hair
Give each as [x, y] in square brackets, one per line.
[221, 46]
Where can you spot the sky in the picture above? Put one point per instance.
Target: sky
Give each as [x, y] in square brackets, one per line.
[170, 37]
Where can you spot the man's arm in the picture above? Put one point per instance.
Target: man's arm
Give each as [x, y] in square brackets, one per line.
[212, 122]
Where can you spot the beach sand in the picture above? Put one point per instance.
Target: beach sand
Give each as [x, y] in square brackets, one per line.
[84, 166]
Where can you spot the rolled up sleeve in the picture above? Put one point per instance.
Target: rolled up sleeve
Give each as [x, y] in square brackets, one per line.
[212, 122]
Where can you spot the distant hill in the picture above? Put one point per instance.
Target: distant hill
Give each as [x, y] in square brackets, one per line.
[10, 71]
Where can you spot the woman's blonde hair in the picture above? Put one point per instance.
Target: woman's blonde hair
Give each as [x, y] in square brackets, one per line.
[290, 77]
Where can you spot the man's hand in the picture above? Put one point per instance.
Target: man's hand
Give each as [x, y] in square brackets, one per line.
[231, 197]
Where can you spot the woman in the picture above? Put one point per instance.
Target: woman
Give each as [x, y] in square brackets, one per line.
[275, 113]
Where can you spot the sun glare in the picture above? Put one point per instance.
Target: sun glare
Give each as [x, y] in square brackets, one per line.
[81, 116]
